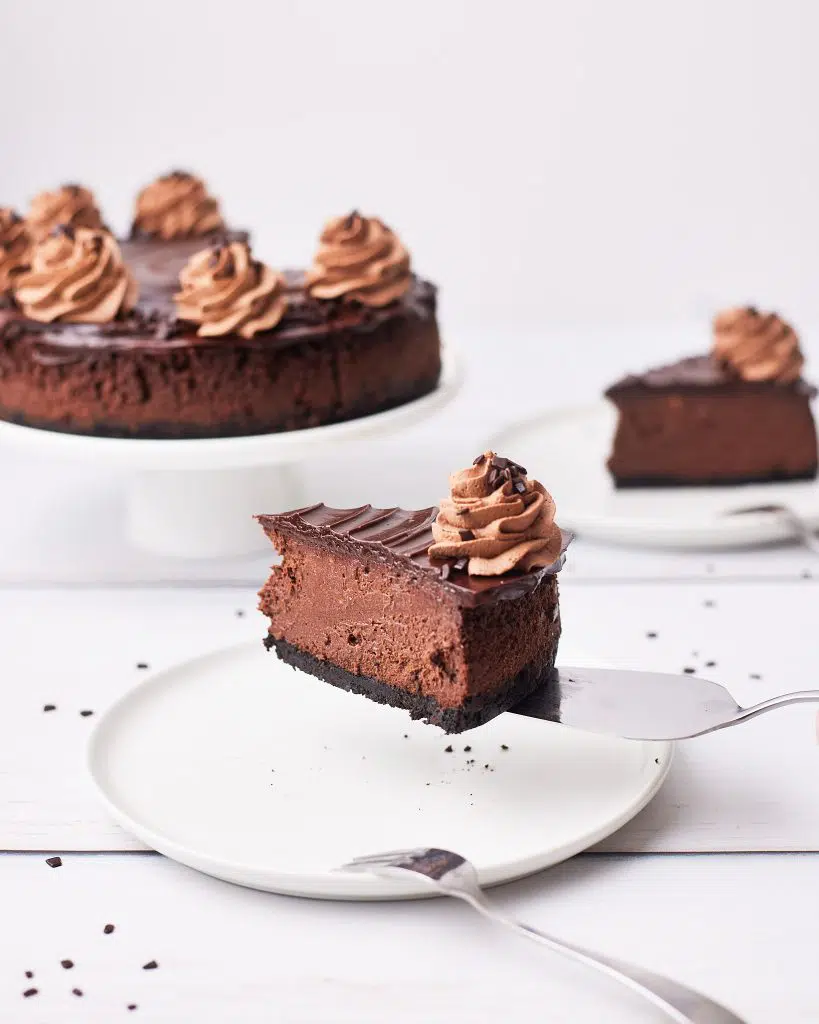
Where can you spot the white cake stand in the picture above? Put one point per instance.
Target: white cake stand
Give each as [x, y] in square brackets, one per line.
[196, 498]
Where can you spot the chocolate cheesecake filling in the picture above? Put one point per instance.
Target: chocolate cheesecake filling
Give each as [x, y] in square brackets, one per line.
[694, 423]
[358, 602]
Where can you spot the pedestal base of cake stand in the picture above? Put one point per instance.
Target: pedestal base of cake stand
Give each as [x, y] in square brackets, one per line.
[201, 514]
[196, 498]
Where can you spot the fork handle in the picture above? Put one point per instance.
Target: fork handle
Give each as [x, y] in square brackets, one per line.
[683, 1005]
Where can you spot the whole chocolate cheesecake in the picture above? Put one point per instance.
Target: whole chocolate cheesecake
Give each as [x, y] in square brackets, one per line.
[450, 613]
[740, 414]
[179, 332]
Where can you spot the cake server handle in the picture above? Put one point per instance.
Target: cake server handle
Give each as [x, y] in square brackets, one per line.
[681, 1004]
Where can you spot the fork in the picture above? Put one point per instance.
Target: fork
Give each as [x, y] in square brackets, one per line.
[453, 875]
[806, 534]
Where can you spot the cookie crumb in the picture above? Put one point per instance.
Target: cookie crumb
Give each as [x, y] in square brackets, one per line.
[29, 974]
[54, 862]
[107, 929]
[504, 746]
[467, 749]
[67, 964]
[448, 750]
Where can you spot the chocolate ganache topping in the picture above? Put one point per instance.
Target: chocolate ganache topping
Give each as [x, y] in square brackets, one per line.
[77, 276]
[177, 205]
[359, 259]
[14, 246]
[496, 518]
[757, 346]
[226, 291]
[69, 204]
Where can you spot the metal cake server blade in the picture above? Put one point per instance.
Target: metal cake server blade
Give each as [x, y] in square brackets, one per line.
[643, 705]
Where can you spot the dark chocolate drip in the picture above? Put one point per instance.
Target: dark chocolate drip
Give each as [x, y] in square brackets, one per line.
[695, 372]
[405, 535]
[154, 326]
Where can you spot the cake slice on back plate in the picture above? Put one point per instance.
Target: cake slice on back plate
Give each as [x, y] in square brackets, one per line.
[740, 414]
[450, 613]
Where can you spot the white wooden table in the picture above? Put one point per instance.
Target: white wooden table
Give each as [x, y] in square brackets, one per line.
[79, 612]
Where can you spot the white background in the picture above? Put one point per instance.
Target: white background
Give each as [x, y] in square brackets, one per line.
[548, 162]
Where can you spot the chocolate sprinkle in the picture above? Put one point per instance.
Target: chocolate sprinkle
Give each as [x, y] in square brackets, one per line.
[689, 671]
[448, 750]
[67, 964]
[651, 636]
[132, 1006]
[49, 707]
[30, 992]
[86, 713]
[710, 664]
[29, 974]
[467, 749]
[142, 664]
[504, 746]
[77, 991]
[107, 929]
[54, 862]
[150, 966]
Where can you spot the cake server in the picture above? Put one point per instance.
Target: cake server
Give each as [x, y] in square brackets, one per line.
[643, 705]
[453, 875]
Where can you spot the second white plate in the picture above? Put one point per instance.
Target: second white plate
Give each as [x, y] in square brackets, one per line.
[239, 766]
[568, 449]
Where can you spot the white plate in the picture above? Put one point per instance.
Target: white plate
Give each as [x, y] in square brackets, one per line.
[239, 766]
[568, 450]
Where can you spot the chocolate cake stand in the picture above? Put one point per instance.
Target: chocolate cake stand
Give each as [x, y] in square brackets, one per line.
[196, 498]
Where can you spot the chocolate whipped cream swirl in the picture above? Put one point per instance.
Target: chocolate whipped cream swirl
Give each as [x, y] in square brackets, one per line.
[757, 346]
[14, 246]
[76, 276]
[497, 518]
[69, 204]
[359, 259]
[177, 205]
[226, 291]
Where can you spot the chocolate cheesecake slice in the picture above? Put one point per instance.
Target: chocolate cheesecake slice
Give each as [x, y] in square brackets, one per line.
[382, 602]
[738, 415]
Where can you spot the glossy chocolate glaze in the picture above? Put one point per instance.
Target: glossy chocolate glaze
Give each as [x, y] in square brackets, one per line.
[153, 325]
[404, 536]
[695, 373]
